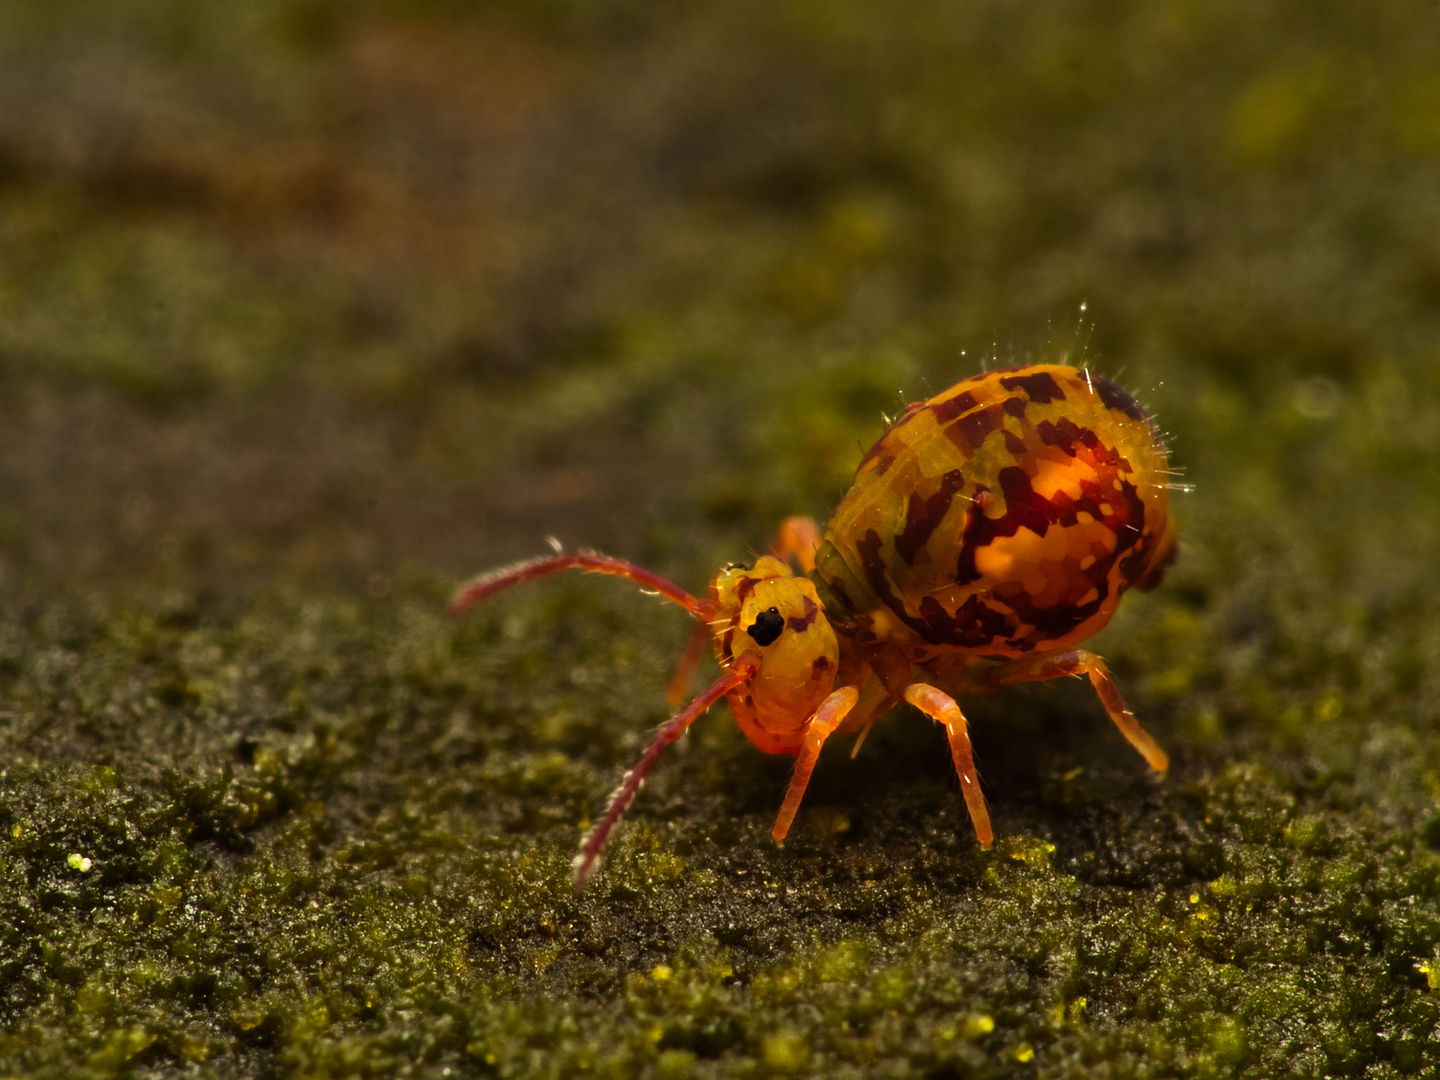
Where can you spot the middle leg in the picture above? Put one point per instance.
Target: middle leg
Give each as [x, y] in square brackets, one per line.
[941, 707]
[819, 728]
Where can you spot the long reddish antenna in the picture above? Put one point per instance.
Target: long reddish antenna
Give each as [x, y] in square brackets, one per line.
[590, 847]
[493, 581]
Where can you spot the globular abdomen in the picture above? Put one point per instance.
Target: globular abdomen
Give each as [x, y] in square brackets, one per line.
[1004, 516]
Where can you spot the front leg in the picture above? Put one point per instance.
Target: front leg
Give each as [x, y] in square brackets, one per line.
[818, 728]
[1081, 662]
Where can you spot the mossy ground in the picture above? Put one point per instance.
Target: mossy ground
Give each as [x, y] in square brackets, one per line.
[308, 309]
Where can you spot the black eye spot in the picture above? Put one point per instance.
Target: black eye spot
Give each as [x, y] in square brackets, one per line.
[767, 626]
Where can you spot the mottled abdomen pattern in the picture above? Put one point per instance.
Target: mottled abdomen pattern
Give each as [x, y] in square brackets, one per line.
[1006, 515]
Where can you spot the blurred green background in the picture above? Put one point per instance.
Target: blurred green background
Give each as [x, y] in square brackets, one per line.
[309, 309]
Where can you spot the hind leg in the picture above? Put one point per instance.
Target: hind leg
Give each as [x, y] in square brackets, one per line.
[818, 728]
[1079, 662]
[798, 539]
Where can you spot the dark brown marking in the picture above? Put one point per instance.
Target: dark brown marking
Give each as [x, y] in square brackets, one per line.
[820, 666]
[1117, 399]
[1065, 433]
[1015, 444]
[957, 406]
[923, 516]
[1052, 622]
[874, 566]
[744, 589]
[1015, 406]
[1023, 508]
[1133, 569]
[1040, 387]
[880, 449]
[970, 430]
[800, 623]
[883, 463]
[974, 625]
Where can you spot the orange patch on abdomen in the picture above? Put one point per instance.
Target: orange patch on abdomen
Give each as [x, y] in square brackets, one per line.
[1047, 567]
[1067, 477]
